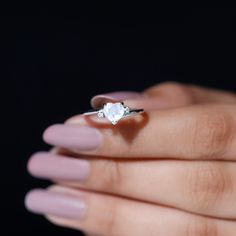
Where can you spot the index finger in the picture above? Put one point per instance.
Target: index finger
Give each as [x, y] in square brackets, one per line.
[193, 132]
[165, 96]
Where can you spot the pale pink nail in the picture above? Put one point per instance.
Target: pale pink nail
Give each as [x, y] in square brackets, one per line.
[57, 204]
[77, 137]
[52, 166]
[98, 100]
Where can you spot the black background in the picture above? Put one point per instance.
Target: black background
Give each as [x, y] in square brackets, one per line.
[55, 58]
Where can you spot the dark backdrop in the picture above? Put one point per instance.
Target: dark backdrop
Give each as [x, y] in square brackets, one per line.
[55, 59]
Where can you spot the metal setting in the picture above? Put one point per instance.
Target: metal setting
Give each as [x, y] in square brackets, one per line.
[114, 112]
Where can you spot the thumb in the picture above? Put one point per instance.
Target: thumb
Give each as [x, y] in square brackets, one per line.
[165, 95]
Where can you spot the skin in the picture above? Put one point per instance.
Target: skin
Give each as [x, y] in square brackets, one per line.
[186, 149]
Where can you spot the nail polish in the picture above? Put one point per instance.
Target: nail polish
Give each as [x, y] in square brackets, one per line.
[77, 137]
[51, 166]
[46, 202]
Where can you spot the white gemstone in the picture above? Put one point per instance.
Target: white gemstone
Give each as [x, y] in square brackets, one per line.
[100, 114]
[114, 112]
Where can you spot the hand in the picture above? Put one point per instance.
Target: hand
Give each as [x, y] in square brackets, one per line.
[170, 172]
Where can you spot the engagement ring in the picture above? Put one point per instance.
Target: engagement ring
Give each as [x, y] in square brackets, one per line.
[114, 112]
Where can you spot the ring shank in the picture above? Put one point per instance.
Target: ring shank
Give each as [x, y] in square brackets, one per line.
[90, 112]
[134, 112]
[137, 110]
[131, 112]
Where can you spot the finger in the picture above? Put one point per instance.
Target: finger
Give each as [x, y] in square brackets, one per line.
[194, 132]
[160, 98]
[110, 215]
[98, 100]
[165, 95]
[203, 187]
[197, 94]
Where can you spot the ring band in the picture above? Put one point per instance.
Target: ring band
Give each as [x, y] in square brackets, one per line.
[114, 112]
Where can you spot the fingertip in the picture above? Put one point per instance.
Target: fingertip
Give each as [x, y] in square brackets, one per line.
[49, 133]
[32, 164]
[31, 198]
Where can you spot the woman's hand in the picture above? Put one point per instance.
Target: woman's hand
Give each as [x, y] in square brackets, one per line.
[169, 172]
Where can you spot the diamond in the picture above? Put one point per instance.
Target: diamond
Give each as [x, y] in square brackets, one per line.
[100, 114]
[114, 111]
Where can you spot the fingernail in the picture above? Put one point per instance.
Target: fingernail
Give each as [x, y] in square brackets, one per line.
[52, 166]
[46, 202]
[79, 137]
[98, 100]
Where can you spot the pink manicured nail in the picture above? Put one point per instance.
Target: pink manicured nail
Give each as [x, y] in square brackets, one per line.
[56, 204]
[98, 100]
[51, 166]
[77, 137]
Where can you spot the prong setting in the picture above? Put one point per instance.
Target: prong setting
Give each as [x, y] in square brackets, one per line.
[101, 114]
[114, 122]
[127, 110]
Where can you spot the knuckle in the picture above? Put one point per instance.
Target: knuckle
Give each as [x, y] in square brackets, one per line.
[112, 218]
[212, 133]
[111, 178]
[201, 227]
[181, 91]
[207, 185]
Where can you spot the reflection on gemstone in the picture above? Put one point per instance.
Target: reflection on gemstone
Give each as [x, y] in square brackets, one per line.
[114, 112]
